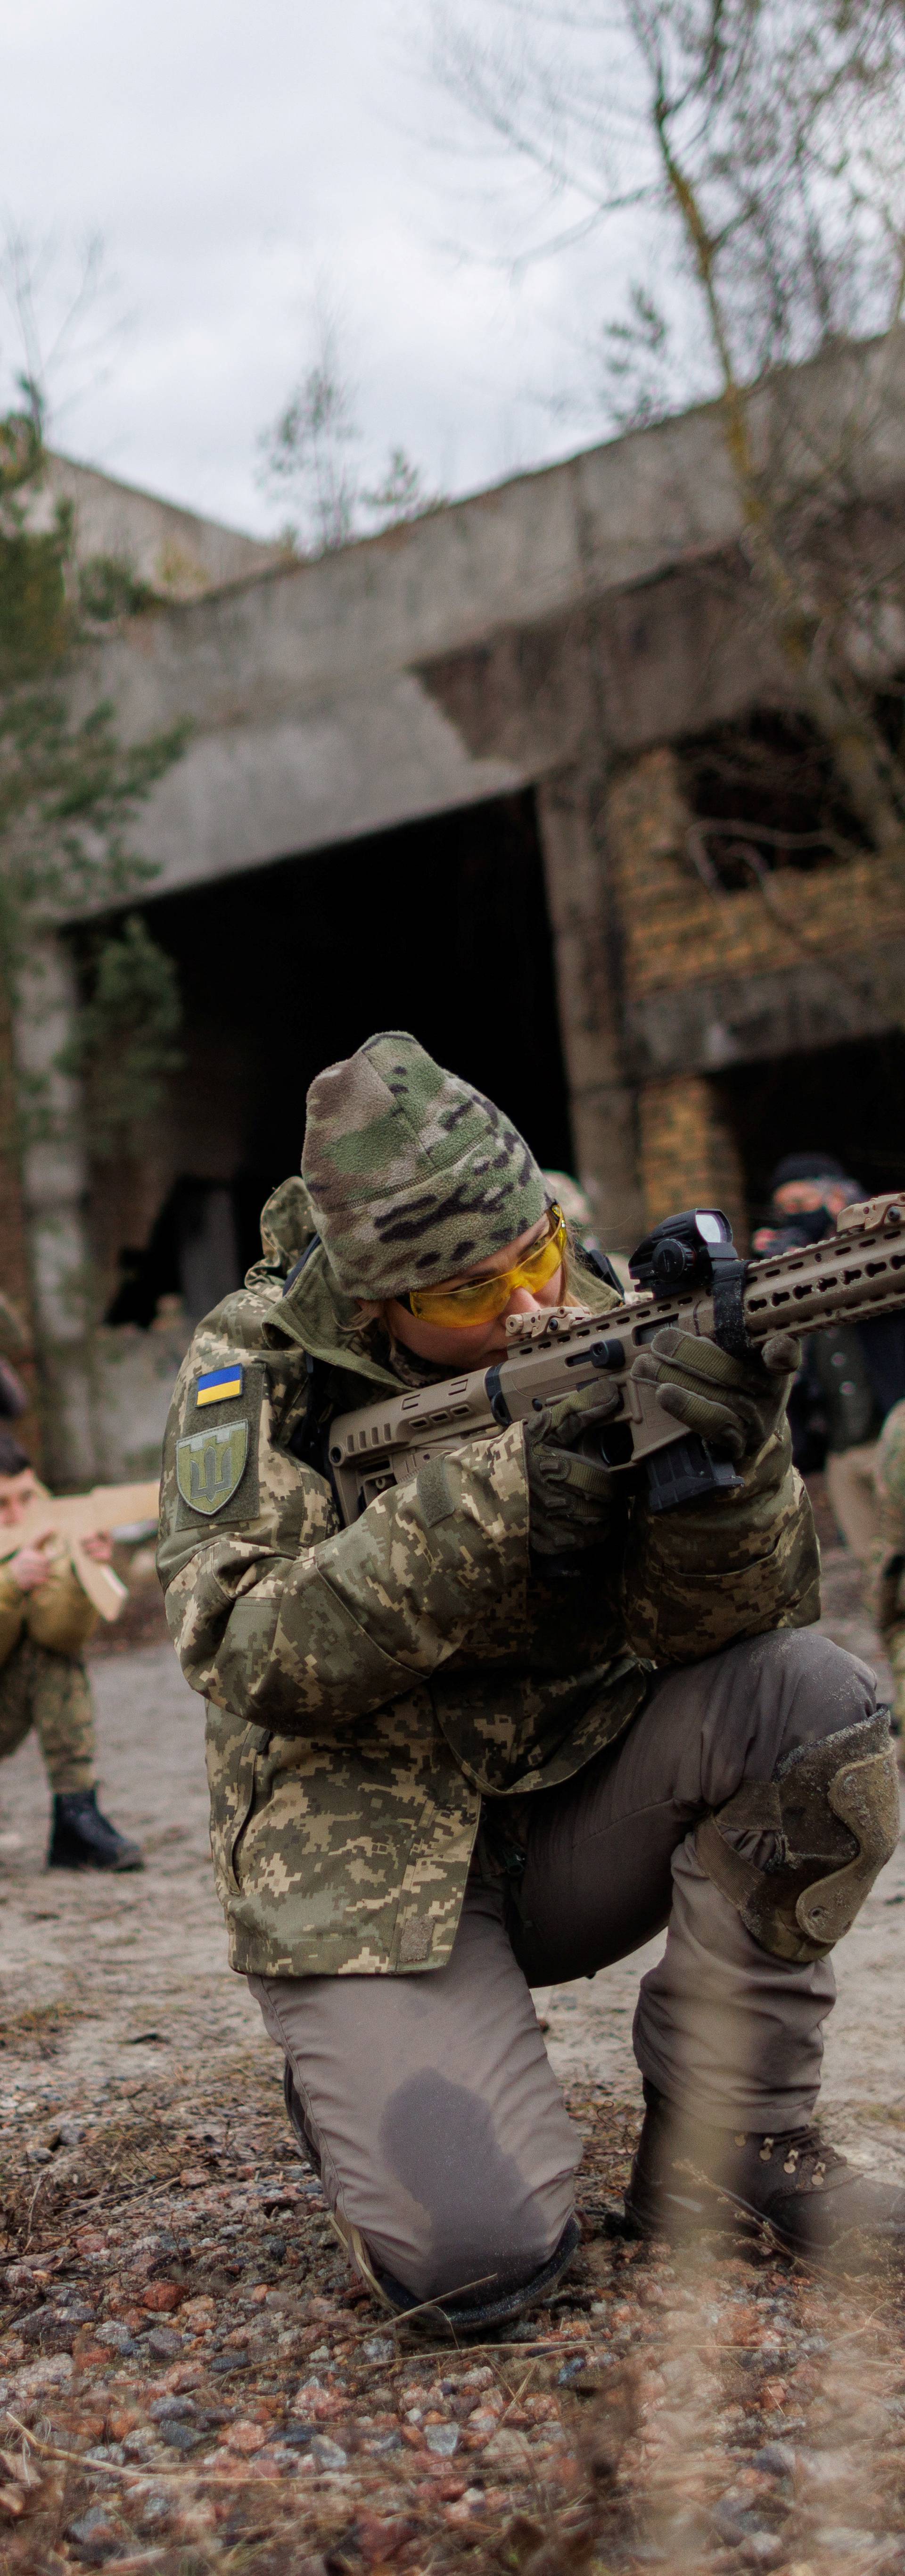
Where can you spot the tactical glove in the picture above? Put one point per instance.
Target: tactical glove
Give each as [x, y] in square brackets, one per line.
[736, 1404]
[568, 1493]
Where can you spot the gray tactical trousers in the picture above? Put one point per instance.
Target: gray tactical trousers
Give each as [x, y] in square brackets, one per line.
[441, 2130]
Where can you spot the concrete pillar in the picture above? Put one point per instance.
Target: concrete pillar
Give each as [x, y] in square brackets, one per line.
[585, 927]
[689, 1157]
[54, 1189]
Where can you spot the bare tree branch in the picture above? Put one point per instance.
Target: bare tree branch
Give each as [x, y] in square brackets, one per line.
[760, 144]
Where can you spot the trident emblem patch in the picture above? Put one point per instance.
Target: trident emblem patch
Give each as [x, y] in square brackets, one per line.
[209, 1466]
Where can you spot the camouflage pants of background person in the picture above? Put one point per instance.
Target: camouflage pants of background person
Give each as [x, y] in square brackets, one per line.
[51, 1693]
[889, 1556]
[851, 1483]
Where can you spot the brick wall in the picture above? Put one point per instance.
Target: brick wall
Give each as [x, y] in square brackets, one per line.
[678, 932]
[688, 1153]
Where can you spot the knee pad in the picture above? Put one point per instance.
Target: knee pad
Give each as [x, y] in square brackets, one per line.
[832, 1813]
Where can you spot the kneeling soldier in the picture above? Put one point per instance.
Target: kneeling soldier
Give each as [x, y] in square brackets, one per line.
[45, 1620]
[508, 1725]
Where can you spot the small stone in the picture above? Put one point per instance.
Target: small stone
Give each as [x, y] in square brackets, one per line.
[584, 2373]
[38, 2155]
[54, 2329]
[311, 2399]
[117, 2335]
[842, 2541]
[384, 2443]
[93, 2537]
[442, 2438]
[71, 2133]
[245, 2437]
[156, 2508]
[162, 2343]
[178, 2435]
[777, 2459]
[327, 2454]
[167, 2410]
[509, 2454]
[162, 2297]
[735, 2521]
[139, 2444]
[198, 2312]
[378, 2348]
[55, 2371]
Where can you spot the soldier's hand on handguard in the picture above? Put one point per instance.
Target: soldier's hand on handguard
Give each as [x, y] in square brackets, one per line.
[736, 1404]
[569, 1492]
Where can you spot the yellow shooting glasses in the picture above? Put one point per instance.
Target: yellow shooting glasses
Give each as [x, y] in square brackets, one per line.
[479, 1301]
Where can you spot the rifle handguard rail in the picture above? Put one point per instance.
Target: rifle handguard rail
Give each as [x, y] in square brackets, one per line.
[847, 1277]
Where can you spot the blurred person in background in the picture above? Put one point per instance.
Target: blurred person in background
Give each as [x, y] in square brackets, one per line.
[852, 1375]
[45, 1621]
[13, 1337]
[888, 1569]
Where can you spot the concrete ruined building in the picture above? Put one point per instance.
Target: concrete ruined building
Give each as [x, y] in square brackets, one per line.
[524, 776]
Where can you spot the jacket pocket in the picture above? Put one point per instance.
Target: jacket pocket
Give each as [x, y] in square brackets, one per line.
[232, 1758]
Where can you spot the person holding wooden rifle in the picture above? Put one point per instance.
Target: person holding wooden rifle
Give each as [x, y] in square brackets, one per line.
[45, 1621]
[511, 1721]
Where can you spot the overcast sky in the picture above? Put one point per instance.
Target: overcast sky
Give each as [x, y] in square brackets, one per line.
[237, 156]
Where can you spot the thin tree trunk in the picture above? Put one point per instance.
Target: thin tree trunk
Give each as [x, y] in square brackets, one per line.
[862, 761]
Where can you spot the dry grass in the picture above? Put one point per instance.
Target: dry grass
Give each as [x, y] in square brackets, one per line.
[36, 2030]
[625, 2433]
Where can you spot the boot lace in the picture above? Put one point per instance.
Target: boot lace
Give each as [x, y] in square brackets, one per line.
[801, 2159]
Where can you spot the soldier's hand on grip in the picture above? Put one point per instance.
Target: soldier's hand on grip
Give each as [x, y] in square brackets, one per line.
[736, 1404]
[569, 1492]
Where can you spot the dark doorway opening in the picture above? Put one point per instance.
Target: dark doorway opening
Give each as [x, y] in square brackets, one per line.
[849, 1098]
[440, 927]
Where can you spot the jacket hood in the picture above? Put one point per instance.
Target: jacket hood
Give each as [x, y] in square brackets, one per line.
[313, 1309]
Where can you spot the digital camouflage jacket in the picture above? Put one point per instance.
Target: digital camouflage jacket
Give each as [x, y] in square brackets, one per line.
[366, 1687]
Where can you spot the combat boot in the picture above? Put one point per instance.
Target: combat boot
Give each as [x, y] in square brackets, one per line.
[81, 1838]
[688, 2175]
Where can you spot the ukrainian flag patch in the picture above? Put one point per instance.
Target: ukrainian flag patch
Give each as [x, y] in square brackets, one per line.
[219, 1383]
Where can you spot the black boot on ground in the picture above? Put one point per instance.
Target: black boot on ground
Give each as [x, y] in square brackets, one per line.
[81, 1838]
[687, 2176]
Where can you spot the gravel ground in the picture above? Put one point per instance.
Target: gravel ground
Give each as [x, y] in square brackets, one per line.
[188, 2378]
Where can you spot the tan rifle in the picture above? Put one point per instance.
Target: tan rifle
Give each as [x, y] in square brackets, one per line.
[688, 1273]
[75, 1517]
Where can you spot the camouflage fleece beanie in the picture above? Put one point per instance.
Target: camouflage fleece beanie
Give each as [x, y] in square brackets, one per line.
[412, 1175]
